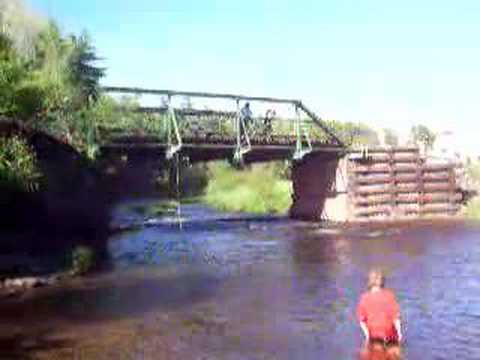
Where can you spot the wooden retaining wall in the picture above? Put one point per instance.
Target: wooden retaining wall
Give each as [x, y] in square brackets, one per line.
[395, 183]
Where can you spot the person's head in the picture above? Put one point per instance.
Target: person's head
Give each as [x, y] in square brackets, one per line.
[376, 279]
[247, 104]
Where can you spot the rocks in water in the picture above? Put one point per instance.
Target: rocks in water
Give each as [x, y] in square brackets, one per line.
[29, 282]
[14, 286]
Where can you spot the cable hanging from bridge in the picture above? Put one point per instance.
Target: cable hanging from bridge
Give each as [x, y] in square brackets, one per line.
[176, 160]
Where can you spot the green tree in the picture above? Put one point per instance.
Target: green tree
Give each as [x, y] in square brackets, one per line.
[365, 135]
[11, 74]
[18, 165]
[422, 135]
[49, 76]
[85, 74]
[391, 138]
[351, 134]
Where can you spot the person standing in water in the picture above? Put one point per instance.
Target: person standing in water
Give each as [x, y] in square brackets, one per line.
[379, 316]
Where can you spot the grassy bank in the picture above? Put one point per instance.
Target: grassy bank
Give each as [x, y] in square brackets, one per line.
[49, 92]
[259, 189]
[18, 168]
[472, 210]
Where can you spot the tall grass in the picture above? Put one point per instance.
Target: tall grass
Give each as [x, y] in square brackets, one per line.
[18, 167]
[259, 189]
[473, 172]
[472, 209]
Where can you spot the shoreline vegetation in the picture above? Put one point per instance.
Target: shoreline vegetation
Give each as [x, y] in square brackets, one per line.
[260, 189]
[52, 207]
[472, 210]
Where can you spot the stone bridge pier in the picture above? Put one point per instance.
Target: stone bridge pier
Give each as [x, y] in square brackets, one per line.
[313, 179]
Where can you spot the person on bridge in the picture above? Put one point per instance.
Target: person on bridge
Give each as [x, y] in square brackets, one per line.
[267, 122]
[246, 115]
[379, 316]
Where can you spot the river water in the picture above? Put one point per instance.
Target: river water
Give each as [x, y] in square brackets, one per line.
[224, 286]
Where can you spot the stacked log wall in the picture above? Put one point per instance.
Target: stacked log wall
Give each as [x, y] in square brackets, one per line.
[395, 183]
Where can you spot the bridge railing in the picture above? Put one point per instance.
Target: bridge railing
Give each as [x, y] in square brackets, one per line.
[176, 126]
[206, 126]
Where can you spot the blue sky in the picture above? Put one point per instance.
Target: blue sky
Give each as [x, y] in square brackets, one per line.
[391, 64]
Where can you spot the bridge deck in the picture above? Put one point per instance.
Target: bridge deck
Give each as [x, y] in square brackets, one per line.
[214, 147]
[215, 140]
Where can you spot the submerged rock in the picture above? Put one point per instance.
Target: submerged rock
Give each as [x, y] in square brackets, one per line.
[14, 285]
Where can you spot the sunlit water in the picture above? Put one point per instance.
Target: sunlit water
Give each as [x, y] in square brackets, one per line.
[222, 286]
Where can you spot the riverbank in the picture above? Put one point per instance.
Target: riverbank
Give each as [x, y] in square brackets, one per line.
[66, 209]
[472, 209]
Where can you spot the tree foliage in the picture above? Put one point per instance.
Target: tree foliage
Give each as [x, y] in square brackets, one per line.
[350, 133]
[18, 166]
[422, 135]
[51, 85]
[391, 138]
[83, 70]
[12, 72]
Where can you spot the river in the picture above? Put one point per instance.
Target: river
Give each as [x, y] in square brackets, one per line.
[226, 286]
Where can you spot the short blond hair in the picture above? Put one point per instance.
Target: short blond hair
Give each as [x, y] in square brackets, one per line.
[376, 277]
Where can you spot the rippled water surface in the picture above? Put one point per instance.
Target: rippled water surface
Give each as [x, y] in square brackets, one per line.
[222, 286]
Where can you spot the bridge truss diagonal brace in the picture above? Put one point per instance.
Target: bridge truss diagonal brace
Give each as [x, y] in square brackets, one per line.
[303, 144]
[174, 140]
[320, 123]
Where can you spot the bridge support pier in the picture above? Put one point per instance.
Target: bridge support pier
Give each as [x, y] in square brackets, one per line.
[313, 177]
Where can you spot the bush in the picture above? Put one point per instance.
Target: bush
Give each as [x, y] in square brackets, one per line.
[83, 260]
[472, 210]
[18, 166]
[473, 172]
[29, 101]
[261, 189]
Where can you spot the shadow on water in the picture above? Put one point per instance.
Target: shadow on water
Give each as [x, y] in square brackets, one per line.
[102, 302]
[22, 346]
[46, 321]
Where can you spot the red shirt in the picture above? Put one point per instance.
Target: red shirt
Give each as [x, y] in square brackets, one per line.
[379, 310]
